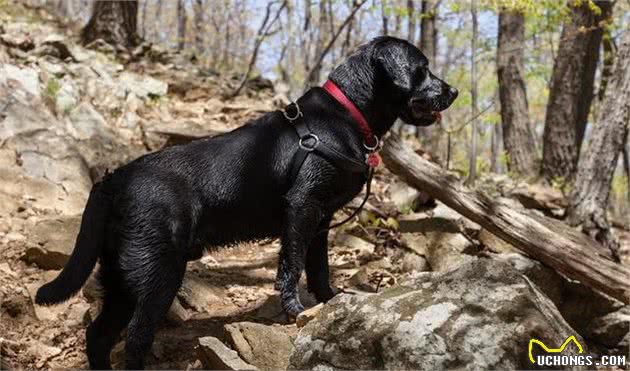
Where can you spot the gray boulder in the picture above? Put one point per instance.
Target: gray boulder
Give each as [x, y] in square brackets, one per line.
[477, 317]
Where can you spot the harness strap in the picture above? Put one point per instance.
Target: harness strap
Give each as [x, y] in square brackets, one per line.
[309, 142]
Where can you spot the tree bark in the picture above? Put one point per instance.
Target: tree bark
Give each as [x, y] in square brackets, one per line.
[589, 199]
[113, 21]
[572, 89]
[518, 137]
[608, 46]
[181, 24]
[626, 168]
[550, 241]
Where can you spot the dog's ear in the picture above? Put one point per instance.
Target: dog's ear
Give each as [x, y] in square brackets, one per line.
[394, 60]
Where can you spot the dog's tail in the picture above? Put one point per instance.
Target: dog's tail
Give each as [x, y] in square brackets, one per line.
[87, 249]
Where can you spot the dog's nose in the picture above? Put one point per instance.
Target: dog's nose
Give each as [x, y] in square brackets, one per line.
[452, 92]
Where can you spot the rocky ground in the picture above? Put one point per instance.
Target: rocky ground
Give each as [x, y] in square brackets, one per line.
[426, 288]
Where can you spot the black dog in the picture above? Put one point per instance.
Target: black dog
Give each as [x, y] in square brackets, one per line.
[148, 218]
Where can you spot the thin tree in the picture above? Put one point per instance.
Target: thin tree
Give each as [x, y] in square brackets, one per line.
[384, 18]
[264, 31]
[518, 136]
[428, 40]
[114, 21]
[144, 18]
[198, 21]
[472, 165]
[158, 18]
[589, 199]
[411, 23]
[428, 29]
[181, 24]
[320, 59]
[572, 88]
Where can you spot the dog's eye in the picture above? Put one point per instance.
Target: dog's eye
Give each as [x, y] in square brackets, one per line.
[419, 74]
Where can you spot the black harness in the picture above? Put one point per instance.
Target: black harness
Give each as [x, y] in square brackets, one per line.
[308, 143]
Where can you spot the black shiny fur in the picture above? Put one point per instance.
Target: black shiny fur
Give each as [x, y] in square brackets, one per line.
[148, 218]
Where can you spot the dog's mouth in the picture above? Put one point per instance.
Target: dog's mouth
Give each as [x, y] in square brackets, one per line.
[422, 116]
[433, 116]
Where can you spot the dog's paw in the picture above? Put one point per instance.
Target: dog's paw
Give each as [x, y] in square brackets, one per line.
[323, 295]
[292, 308]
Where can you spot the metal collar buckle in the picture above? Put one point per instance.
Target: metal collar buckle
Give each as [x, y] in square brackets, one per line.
[287, 115]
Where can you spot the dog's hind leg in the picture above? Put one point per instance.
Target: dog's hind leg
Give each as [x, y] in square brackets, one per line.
[103, 332]
[162, 284]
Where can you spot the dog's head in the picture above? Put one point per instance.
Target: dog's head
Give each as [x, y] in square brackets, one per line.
[406, 74]
[398, 72]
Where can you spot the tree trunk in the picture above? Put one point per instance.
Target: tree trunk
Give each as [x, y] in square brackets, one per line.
[199, 26]
[428, 39]
[181, 24]
[144, 19]
[608, 46]
[411, 25]
[384, 17]
[158, 20]
[495, 150]
[626, 167]
[518, 137]
[589, 199]
[550, 241]
[571, 89]
[113, 21]
[472, 165]
[428, 30]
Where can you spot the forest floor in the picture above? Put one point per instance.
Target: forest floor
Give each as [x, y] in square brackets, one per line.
[180, 101]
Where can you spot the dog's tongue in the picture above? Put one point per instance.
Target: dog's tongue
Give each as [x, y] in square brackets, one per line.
[438, 116]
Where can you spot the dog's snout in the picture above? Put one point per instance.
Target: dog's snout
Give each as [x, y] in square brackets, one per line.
[452, 93]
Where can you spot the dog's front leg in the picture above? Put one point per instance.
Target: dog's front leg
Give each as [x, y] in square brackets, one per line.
[317, 271]
[301, 224]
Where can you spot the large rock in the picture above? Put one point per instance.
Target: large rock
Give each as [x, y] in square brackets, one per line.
[611, 329]
[199, 295]
[266, 347]
[143, 86]
[477, 317]
[215, 355]
[46, 169]
[26, 77]
[53, 242]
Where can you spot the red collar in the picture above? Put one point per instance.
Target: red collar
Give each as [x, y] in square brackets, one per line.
[369, 139]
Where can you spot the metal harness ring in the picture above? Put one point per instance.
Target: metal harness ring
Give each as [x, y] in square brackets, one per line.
[298, 113]
[377, 144]
[306, 137]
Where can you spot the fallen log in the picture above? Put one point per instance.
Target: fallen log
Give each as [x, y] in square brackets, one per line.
[550, 241]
